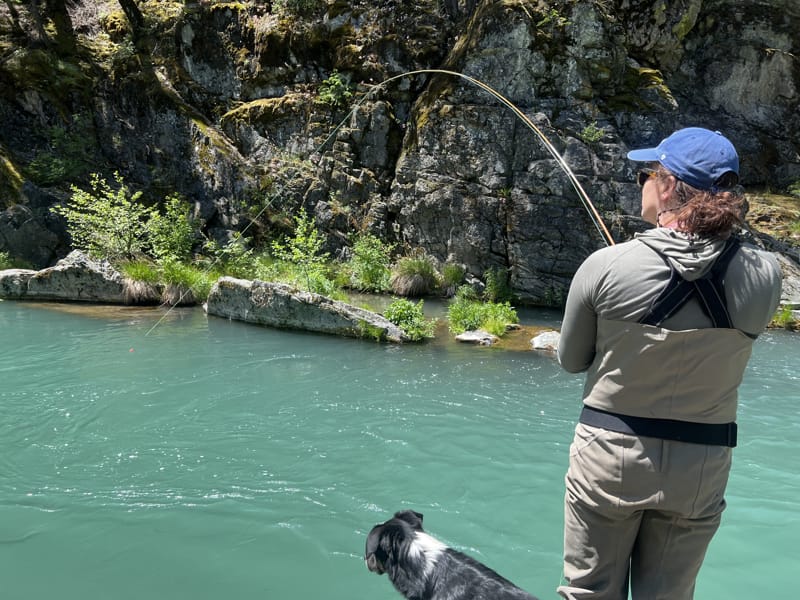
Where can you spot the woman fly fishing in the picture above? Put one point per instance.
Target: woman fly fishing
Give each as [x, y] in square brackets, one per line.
[663, 326]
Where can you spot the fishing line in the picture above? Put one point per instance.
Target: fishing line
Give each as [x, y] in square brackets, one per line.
[594, 215]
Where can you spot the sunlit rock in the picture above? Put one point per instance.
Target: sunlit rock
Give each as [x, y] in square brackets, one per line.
[75, 278]
[478, 336]
[280, 305]
[546, 341]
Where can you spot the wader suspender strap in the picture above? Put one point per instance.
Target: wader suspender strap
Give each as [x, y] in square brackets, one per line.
[711, 295]
[708, 290]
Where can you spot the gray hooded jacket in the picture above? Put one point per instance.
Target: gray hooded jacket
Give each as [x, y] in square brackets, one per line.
[685, 369]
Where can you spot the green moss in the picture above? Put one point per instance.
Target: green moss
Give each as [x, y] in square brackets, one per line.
[637, 79]
[366, 330]
[41, 70]
[237, 6]
[11, 178]
[653, 79]
[266, 110]
[682, 28]
[115, 25]
[160, 14]
[217, 145]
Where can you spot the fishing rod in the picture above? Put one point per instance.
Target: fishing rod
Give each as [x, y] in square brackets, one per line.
[594, 215]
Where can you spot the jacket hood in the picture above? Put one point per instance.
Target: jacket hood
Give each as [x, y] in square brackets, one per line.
[691, 256]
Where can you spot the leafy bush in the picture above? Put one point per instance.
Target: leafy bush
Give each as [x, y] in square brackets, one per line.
[235, 259]
[498, 285]
[304, 255]
[5, 261]
[468, 313]
[410, 318]
[172, 234]
[335, 91]
[106, 222]
[110, 222]
[370, 264]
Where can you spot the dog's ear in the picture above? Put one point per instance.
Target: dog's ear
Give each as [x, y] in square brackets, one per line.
[375, 555]
[411, 517]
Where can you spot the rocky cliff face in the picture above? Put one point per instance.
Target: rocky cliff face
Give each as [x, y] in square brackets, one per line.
[221, 102]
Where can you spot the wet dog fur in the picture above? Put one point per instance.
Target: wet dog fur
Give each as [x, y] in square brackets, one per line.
[422, 568]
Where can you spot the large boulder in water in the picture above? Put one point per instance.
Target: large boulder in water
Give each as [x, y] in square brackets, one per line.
[75, 278]
[280, 305]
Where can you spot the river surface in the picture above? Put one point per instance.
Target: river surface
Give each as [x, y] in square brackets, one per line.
[206, 459]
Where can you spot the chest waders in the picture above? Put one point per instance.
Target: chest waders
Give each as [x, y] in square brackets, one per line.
[710, 293]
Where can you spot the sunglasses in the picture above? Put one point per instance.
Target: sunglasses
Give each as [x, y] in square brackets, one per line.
[643, 175]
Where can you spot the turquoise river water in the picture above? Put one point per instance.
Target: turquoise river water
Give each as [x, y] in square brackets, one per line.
[211, 459]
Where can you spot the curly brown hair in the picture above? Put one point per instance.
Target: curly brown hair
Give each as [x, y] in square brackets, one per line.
[710, 213]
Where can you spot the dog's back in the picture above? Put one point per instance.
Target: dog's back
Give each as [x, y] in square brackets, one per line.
[420, 566]
[459, 577]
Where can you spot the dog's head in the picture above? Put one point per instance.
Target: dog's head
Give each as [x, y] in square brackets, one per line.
[387, 540]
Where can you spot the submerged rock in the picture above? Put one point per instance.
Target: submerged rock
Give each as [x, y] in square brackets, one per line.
[280, 305]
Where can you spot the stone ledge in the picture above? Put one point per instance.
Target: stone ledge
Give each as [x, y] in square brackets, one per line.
[282, 306]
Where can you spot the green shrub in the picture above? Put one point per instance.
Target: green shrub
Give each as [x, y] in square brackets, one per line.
[784, 318]
[498, 285]
[369, 266]
[5, 261]
[321, 279]
[592, 134]
[335, 91]
[414, 275]
[235, 259]
[409, 317]
[110, 222]
[172, 234]
[106, 222]
[303, 251]
[467, 313]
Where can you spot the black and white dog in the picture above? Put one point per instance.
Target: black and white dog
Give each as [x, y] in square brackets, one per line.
[422, 568]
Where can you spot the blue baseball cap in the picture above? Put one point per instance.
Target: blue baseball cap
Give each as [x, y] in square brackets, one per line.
[695, 155]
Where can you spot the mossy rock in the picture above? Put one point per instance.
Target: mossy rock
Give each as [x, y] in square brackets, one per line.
[10, 180]
[267, 110]
[115, 25]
